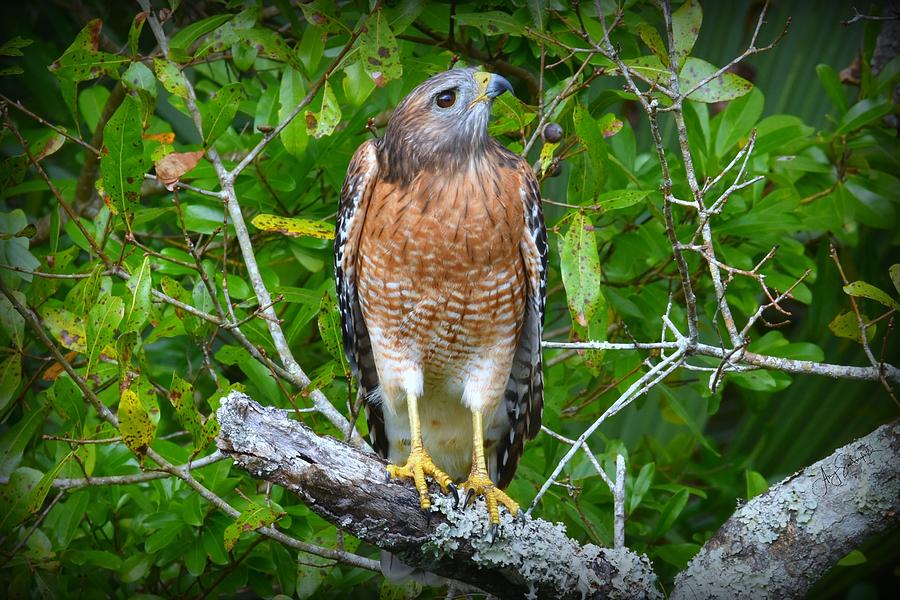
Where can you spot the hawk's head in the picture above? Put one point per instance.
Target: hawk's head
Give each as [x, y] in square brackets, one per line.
[442, 122]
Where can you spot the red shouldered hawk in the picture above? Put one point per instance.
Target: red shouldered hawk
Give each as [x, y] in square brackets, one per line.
[441, 268]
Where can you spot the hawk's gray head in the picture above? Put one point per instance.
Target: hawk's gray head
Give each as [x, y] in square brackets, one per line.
[442, 122]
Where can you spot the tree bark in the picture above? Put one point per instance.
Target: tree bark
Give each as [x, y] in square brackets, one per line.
[780, 543]
[775, 546]
[348, 487]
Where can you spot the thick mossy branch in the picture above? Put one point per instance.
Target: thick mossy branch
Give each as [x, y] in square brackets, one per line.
[781, 542]
[348, 487]
[776, 545]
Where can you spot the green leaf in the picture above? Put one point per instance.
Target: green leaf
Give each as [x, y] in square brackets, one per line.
[122, 165]
[330, 329]
[103, 319]
[12, 322]
[137, 309]
[756, 484]
[171, 77]
[832, 85]
[14, 251]
[846, 325]
[134, 32]
[219, 112]
[10, 379]
[491, 22]
[894, 272]
[14, 497]
[726, 86]
[13, 47]
[294, 136]
[580, 268]
[861, 289]
[254, 517]
[379, 51]
[641, 486]
[39, 491]
[14, 439]
[135, 424]
[862, 113]
[323, 123]
[312, 45]
[589, 133]
[357, 84]
[686, 23]
[853, 558]
[675, 404]
[181, 395]
[677, 555]
[651, 38]
[617, 199]
[82, 60]
[138, 77]
[670, 512]
[191, 33]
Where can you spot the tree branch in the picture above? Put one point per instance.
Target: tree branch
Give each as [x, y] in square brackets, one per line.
[347, 487]
[783, 541]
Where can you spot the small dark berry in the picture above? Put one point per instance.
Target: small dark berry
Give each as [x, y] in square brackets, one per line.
[552, 133]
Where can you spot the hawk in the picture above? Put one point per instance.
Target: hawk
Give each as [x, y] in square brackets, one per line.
[441, 271]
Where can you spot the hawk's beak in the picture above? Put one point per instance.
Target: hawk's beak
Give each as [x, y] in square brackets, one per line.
[490, 85]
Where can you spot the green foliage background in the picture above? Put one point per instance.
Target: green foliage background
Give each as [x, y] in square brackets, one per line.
[830, 163]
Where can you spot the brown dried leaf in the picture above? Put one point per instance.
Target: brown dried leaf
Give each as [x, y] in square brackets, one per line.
[171, 167]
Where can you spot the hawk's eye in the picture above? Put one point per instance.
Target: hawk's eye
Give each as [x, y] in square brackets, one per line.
[446, 98]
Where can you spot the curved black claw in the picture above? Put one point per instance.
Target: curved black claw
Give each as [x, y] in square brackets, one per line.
[520, 516]
[470, 497]
[453, 488]
[494, 534]
[387, 476]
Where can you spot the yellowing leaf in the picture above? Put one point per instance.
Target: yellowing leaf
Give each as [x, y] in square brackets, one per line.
[171, 77]
[67, 328]
[861, 289]
[379, 52]
[685, 28]
[294, 227]
[580, 267]
[324, 122]
[103, 319]
[181, 395]
[122, 164]
[256, 516]
[138, 307]
[83, 60]
[134, 423]
[846, 326]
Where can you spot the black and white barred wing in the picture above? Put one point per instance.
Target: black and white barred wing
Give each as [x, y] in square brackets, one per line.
[524, 396]
[355, 196]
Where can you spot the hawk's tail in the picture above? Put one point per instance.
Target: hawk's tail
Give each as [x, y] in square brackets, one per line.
[397, 571]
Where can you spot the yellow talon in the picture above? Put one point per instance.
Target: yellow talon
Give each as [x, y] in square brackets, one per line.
[479, 482]
[417, 466]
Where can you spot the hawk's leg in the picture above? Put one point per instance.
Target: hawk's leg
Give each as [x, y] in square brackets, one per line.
[479, 482]
[419, 463]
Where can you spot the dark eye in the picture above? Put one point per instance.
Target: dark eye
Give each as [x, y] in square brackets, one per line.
[446, 98]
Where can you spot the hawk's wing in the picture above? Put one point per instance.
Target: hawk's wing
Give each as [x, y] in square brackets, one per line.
[524, 396]
[355, 194]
